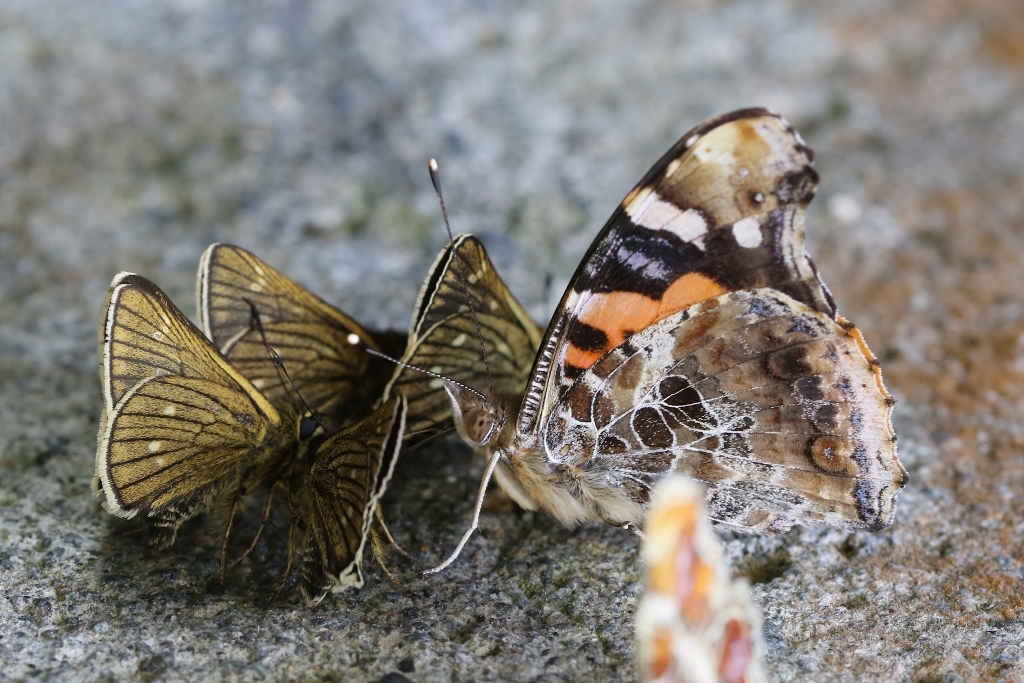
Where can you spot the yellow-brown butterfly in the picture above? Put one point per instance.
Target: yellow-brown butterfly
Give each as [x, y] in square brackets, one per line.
[333, 508]
[181, 427]
[246, 305]
[468, 326]
[184, 431]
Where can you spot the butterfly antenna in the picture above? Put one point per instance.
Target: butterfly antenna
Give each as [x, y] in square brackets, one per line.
[257, 323]
[354, 340]
[435, 179]
[476, 515]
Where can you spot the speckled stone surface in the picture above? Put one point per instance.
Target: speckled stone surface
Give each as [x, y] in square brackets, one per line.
[134, 134]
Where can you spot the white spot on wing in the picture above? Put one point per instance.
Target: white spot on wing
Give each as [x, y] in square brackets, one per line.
[170, 410]
[747, 232]
[654, 213]
[154, 446]
[672, 168]
[460, 340]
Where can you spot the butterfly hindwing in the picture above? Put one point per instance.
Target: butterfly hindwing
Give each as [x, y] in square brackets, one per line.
[753, 393]
[309, 335]
[469, 327]
[335, 505]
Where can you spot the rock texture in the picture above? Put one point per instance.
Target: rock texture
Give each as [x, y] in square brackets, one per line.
[134, 134]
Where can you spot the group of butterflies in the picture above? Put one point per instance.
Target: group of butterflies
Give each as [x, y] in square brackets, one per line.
[696, 338]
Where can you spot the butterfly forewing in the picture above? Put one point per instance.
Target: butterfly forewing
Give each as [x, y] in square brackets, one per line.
[334, 507]
[309, 335]
[469, 327]
[182, 425]
[722, 210]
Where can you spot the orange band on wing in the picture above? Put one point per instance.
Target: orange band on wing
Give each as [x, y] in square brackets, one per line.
[619, 314]
[688, 290]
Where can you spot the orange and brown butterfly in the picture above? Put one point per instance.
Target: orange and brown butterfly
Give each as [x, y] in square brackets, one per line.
[468, 326]
[697, 338]
[694, 622]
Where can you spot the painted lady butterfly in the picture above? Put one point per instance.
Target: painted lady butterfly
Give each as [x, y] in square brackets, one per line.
[696, 337]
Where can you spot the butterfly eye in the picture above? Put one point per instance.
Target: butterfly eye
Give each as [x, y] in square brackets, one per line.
[478, 425]
[308, 427]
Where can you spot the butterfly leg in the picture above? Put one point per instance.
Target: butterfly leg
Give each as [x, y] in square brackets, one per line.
[236, 505]
[379, 550]
[387, 533]
[476, 515]
[294, 533]
[263, 523]
[635, 529]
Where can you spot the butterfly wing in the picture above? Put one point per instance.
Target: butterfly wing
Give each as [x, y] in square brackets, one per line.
[309, 335]
[775, 406]
[469, 327]
[722, 210]
[178, 419]
[348, 475]
[694, 623]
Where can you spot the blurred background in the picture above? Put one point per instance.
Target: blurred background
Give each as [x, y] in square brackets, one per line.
[132, 135]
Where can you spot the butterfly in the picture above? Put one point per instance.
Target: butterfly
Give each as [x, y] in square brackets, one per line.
[334, 506]
[696, 337]
[694, 623]
[182, 428]
[464, 311]
[245, 306]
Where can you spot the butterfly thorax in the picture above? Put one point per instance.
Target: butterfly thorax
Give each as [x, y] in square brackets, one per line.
[275, 457]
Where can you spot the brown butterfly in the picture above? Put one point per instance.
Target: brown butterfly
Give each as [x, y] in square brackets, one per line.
[468, 326]
[183, 431]
[182, 428]
[333, 508]
[246, 305]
